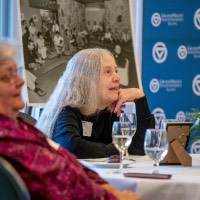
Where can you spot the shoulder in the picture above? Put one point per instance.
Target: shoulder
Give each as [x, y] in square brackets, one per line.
[69, 113]
[69, 109]
[68, 118]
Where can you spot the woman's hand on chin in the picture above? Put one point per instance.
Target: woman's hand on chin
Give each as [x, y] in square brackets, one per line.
[126, 95]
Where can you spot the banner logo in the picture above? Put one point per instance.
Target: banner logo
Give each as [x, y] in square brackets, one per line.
[155, 19]
[159, 115]
[196, 85]
[169, 19]
[180, 116]
[170, 85]
[154, 85]
[159, 52]
[197, 19]
[182, 52]
[195, 148]
[186, 51]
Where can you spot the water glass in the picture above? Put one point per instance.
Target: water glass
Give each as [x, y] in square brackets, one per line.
[156, 145]
[132, 118]
[121, 133]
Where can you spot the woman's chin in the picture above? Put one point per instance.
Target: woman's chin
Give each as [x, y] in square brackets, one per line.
[113, 100]
[19, 105]
[115, 97]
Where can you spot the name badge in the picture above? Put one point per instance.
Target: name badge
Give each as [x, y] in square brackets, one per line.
[87, 128]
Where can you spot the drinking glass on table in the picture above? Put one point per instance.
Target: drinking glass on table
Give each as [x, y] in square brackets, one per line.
[132, 118]
[156, 146]
[121, 133]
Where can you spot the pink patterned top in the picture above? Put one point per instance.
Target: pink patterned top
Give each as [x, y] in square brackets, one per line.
[48, 173]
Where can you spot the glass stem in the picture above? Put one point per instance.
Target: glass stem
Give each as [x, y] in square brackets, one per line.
[121, 153]
[156, 163]
[126, 157]
[156, 167]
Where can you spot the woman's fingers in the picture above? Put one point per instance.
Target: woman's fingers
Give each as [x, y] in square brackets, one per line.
[126, 95]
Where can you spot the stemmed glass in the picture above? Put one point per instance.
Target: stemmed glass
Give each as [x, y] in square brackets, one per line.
[156, 146]
[132, 118]
[121, 133]
[163, 123]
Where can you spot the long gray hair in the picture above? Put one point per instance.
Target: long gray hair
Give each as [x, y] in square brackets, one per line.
[77, 87]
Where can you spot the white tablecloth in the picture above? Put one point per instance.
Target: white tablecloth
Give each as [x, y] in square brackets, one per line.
[184, 183]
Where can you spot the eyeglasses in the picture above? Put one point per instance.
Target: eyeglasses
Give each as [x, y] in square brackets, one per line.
[10, 75]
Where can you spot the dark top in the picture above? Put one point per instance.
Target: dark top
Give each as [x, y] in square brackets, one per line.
[30, 57]
[68, 131]
[25, 37]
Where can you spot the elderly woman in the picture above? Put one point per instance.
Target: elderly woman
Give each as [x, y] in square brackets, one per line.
[86, 101]
[49, 171]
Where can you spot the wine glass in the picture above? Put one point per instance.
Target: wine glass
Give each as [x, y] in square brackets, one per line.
[132, 118]
[156, 146]
[121, 132]
[163, 123]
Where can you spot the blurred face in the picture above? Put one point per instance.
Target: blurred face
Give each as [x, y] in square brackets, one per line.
[10, 89]
[31, 46]
[117, 49]
[23, 23]
[109, 82]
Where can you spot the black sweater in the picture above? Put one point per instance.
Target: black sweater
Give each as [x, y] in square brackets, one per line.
[68, 131]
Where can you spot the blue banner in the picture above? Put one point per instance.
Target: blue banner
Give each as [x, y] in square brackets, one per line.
[171, 57]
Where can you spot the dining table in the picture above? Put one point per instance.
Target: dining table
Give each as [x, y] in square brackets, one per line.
[183, 184]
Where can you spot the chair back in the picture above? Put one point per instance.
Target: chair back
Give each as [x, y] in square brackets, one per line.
[12, 187]
[28, 118]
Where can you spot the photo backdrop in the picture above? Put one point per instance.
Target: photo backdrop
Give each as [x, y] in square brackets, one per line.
[105, 24]
[171, 57]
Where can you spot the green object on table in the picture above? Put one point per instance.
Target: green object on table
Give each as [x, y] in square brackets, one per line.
[194, 138]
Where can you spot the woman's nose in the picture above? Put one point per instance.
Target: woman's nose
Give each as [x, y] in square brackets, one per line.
[117, 77]
[19, 80]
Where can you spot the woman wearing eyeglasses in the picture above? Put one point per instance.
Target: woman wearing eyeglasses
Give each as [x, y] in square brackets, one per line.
[49, 171]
